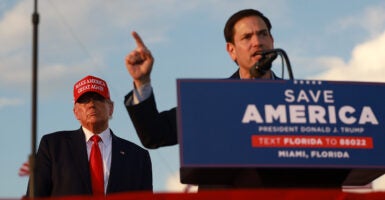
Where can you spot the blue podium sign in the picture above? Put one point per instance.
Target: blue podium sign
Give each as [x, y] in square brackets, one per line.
[281, 123]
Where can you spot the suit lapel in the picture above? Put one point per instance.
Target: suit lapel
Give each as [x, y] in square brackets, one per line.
[118, 164]
[77, 144]
[235, 75]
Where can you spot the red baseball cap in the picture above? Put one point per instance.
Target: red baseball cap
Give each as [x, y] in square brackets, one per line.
[91, 84]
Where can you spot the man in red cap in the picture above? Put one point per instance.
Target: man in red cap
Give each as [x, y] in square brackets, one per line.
[91, 160]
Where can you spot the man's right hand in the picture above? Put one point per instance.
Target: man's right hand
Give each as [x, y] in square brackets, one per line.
[139, 62]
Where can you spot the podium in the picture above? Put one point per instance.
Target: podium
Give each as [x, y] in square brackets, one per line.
[280, 133]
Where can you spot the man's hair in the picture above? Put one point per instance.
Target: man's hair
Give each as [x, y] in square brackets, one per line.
[229, 27]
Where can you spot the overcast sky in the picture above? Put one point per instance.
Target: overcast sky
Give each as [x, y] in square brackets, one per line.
[325, 40]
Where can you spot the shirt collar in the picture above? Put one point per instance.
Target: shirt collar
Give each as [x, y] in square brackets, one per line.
[105, 135]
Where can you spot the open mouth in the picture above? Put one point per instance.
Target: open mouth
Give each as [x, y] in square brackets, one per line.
[256, 56]
[258, 52]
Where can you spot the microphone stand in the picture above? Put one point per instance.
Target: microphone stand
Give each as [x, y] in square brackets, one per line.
[286, 58]
[265, 63]
[35, 22]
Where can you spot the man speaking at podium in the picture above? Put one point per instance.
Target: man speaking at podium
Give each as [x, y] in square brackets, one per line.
[247, 33]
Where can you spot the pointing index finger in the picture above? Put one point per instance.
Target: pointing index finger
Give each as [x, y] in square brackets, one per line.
[138, 40]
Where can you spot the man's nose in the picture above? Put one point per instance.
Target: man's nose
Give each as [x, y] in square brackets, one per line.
[91, 101]
[256, 40]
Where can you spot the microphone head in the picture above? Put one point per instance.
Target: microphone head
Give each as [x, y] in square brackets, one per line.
[264, 64]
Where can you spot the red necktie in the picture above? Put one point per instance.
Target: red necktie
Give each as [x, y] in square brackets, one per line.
[96, 167]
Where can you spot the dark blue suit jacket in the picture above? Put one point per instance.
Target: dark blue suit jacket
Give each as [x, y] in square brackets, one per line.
[62, 168]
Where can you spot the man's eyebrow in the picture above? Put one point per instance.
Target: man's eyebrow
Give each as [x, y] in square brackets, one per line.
[262, 31]
[258, 31]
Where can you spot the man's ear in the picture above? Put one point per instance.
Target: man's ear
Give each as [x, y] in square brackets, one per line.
[111, 104]
[231, 50]
[75, 111]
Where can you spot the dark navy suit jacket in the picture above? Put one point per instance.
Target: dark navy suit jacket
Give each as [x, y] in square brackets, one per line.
[62, 168]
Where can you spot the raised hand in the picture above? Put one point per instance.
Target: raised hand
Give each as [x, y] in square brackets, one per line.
[139, 62]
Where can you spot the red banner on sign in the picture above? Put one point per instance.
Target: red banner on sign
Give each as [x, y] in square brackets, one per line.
[300, 141]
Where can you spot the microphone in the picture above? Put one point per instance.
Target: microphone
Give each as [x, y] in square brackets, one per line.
[264, 64]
